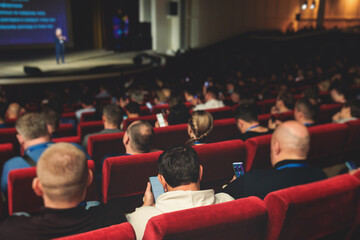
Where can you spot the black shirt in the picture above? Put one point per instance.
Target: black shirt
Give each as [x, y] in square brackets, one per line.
[286, 173]
[250, 134]
[53, 223]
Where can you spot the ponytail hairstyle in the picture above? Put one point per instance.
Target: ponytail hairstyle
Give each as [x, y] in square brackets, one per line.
[201, 123]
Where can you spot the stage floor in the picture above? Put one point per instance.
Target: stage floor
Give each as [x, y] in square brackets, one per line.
[76, 62]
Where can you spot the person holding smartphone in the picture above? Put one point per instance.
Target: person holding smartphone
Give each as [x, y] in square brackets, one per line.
[180, 174]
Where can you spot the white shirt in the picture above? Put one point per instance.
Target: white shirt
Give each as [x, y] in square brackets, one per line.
[213, 103]
[173, 201]
[79, 112]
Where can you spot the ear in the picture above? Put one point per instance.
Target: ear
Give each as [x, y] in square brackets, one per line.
[37, 187]
[276, 148]
[190, 131]
[200, 172]
[49, 129]
[90, 178]
[103, 118]
[163, 182]
[126, 139]
[20, 139]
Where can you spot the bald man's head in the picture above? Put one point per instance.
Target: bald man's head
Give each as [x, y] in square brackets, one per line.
[140, 134]
[291, 140]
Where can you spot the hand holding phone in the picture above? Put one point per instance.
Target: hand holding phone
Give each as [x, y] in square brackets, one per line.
[238, 169]
[161, 120]
[156, 187]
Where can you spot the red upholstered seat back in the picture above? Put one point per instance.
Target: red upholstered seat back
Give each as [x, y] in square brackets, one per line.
[144, 111]
[160, 108]
[264, 119]
[89, 127]
[8, 135]
[69, 115]
[104, 144]
[240, 219]
[258, 153]
[21, 197]
[352, 147]
[151, 119]
[265, 105]
[327, 144]
[123, 231]
[126, 177]
[217, 159]
[224, 129]
[73, 139]
[89, 116]
[66, 130]
[166, 137]
[221, 113]
[322, 209]
[6, 152]
[327, 111]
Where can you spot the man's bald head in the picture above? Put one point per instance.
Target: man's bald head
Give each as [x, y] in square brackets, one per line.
[140, 134]
[291, 140]
[63, 173]
[13, 110]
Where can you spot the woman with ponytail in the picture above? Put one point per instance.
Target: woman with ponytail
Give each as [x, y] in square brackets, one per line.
[200, 125]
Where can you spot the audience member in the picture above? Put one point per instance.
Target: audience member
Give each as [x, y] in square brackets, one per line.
[290, 145]
[132, 110]
[103, 93]
[112, 118]
[211, 100]
[200, 125]
[62, 178]
[180, 174]
[138, 137]
[247, 122]
[349, 112]
[189, 95]
[337, 93]
[137, 96]
[87, 104]
[178, 113]
[305, 112]
[52, 120]
[13, 111]
[284, 103]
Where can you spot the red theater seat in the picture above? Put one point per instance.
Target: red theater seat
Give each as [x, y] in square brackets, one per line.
[8, 135]
[21, 197]
[125, 178]
[85, 128]
[70, 115]
[151, 119]
[6, 152]
[123, 231]
[144, 111]
[166, 137]
[240, 219]
[220, 113]
[327, 144]
[266, 105]
[324, 209]
[352, 148]
[224, 129]
[73, 139]
[105, 144]
[327, 111]
[89, 116]
[66, 130]
[217, 159]
[258, 153]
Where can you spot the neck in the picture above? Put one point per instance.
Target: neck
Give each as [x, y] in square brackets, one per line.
[248, 125]
[60, 205]
[287, 157]
[188, 187]
[36, 141]
[131, 151]
[133, 115]
[109, 126]
[306, 121]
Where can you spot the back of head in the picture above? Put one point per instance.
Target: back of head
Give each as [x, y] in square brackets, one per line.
[354, 107]
[136, 95]
[201, 124]
[179, 166]
[212, 91]
[133, 107]
[31, 126]
[51, 118]
[293, 141]
[247, 113]
[141, 134]
[63, 173]
[14, 110]
[309, 109]
[113, 114]
[287, 98]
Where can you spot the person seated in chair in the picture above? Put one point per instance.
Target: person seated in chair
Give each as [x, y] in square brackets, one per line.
[306, 112]
[211, 101]
[200, 126]
[349, 112]
[138, 137]
[180, 174]
[284, 103]
[62, 178]
[290, 145]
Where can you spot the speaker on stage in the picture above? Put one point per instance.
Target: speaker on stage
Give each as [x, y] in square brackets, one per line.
[32, 71]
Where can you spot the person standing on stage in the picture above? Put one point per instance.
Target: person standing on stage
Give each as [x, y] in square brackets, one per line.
[59, 45]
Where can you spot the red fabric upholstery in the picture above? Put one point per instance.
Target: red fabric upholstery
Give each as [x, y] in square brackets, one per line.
[266, 105]
[327, 111]
[103, 144]
[221, 113]
[241, 219]
[89, 127]
[8, 135]
[11, 122]
[21, 197]
[327, 144]
[217, 159]
[322, 209]
[123, 231]
[264, 119]
[166, 137]
[66, 130]
[126, 177]
[6, 152]
[89, 116]
[70, 115]
[224, 129]
[357, 174]
[151, 119]
[352, 148]
[285, 116]
[144, 111]
[73, 139]
[258, 153]
[160, 108]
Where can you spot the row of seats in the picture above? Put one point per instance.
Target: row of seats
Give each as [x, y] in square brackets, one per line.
[328, 209]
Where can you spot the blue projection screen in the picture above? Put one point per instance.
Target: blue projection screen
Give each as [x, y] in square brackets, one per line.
[24, 22]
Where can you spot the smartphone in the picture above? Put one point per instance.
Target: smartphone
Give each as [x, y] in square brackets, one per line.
[238, 169]
[156, 187]
[161, 120]
[149, 106]
[351, 165]
[206, 84]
